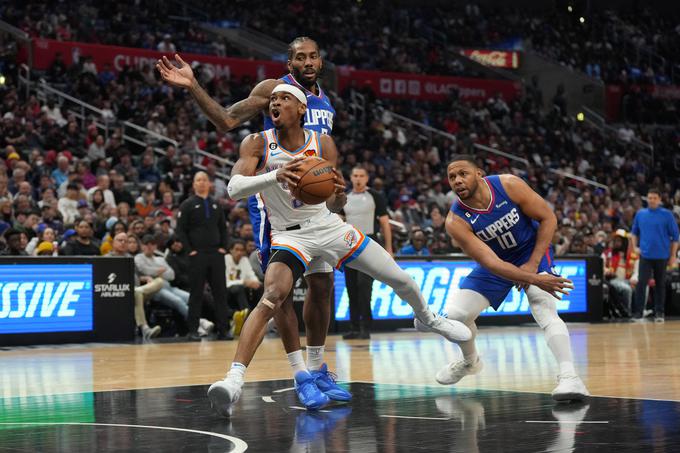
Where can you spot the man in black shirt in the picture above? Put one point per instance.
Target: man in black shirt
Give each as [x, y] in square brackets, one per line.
[83, 245]
[202, 228]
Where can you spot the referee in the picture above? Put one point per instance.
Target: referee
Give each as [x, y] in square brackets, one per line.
[202, 228]
[364, 206]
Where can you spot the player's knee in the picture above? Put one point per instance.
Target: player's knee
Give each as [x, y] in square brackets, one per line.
[457, 313]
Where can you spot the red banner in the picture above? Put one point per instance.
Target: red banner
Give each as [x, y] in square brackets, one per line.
[495, 58]
[666, 91]
[44, 51]
[397, 85]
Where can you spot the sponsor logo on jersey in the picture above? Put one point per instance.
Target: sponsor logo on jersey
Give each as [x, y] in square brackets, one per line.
[310, 153]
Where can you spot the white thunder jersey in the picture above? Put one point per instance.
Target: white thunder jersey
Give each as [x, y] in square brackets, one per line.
[282, 209]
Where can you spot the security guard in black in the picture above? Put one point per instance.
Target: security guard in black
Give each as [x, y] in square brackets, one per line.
[202, 228]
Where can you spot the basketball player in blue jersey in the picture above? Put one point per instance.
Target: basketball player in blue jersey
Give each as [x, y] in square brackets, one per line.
[302, 233]
[305, 65]
[506, 227]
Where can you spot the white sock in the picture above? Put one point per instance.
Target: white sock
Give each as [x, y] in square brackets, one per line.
[238, 370]
[297, 363]
[314, 357]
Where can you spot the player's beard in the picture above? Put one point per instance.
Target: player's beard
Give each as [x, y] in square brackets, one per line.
[471, 190]
[304, 81]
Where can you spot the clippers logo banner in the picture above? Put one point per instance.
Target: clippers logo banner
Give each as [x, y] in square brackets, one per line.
[45, 298]
[438, 280]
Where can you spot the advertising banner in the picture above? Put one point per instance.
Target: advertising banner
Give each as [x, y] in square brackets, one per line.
[438, 280]
[57, 300]
[396, 85]
[44, 51]
[495, 58]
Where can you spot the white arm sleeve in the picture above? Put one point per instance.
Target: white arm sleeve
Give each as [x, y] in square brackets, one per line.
[244, 186]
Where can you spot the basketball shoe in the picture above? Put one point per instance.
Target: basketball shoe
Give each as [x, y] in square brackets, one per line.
[448, 328]
[570, 387]
[455, 371]
[325, 381]
[223, 394]
[308, 393]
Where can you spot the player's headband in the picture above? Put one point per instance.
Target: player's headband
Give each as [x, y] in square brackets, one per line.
[292, 89]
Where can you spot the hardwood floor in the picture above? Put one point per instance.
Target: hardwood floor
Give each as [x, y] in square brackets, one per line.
[617, 360]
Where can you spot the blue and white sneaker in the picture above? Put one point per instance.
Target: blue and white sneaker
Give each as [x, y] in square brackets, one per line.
[308, 393]
[325, 381]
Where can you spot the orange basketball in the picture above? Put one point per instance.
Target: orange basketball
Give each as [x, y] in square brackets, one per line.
[317, 181]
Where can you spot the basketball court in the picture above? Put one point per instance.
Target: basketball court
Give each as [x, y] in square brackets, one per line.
[152, 397]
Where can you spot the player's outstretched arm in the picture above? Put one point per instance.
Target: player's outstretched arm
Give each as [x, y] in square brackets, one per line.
[476, 249]
[330, 152]
[534, 206]
[243, 182]
[224, 119]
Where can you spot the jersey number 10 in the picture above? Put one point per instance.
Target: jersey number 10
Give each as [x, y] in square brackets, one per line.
[507, 241]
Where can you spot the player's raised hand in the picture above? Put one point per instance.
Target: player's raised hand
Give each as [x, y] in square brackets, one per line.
[182, 76]
[288, 173]
[554, 284]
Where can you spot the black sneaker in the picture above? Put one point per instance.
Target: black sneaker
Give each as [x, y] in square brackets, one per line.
[225, 336]
[194, 336]
[351, 335]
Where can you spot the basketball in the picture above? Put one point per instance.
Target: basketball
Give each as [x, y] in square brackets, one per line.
[317, 181]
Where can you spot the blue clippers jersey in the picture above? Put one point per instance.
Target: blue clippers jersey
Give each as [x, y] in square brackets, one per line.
[503, 226]
[320, 113]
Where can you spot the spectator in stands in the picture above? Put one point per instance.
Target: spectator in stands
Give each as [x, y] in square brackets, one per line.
[178, 259]
[166, 45]
[655, 238]
[239, 278]
[68, 206]
[418, 245]
[150, 264]
[60, 174]
[103, 184]
[145, 287]
[83, 244]
[148, 173]
[15, 243]
[45, 235]
[620, 267]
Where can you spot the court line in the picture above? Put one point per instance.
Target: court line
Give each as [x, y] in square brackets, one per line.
[307, 410]
[567, 421]
[419, 418]
[280, 390]
[239, 445]
[268, 399]
[508, 390]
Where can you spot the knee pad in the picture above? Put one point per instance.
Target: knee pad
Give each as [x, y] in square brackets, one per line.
[465, 305]
[544, 310]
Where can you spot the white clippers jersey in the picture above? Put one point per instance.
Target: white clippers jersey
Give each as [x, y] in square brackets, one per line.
[282, 209]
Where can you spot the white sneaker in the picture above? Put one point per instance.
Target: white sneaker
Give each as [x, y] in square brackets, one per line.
[448, 328]
[570, 387]
[455, 371]
[150, 332]
[205, 327]
[659, 320]
[223, 394]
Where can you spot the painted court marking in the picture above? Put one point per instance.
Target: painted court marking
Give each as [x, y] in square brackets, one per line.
[239, 445]
[574, 422]
[268, 399]
[418, 418]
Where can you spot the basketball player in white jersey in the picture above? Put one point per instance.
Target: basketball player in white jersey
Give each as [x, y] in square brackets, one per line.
[267, 165]
[305, 65]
